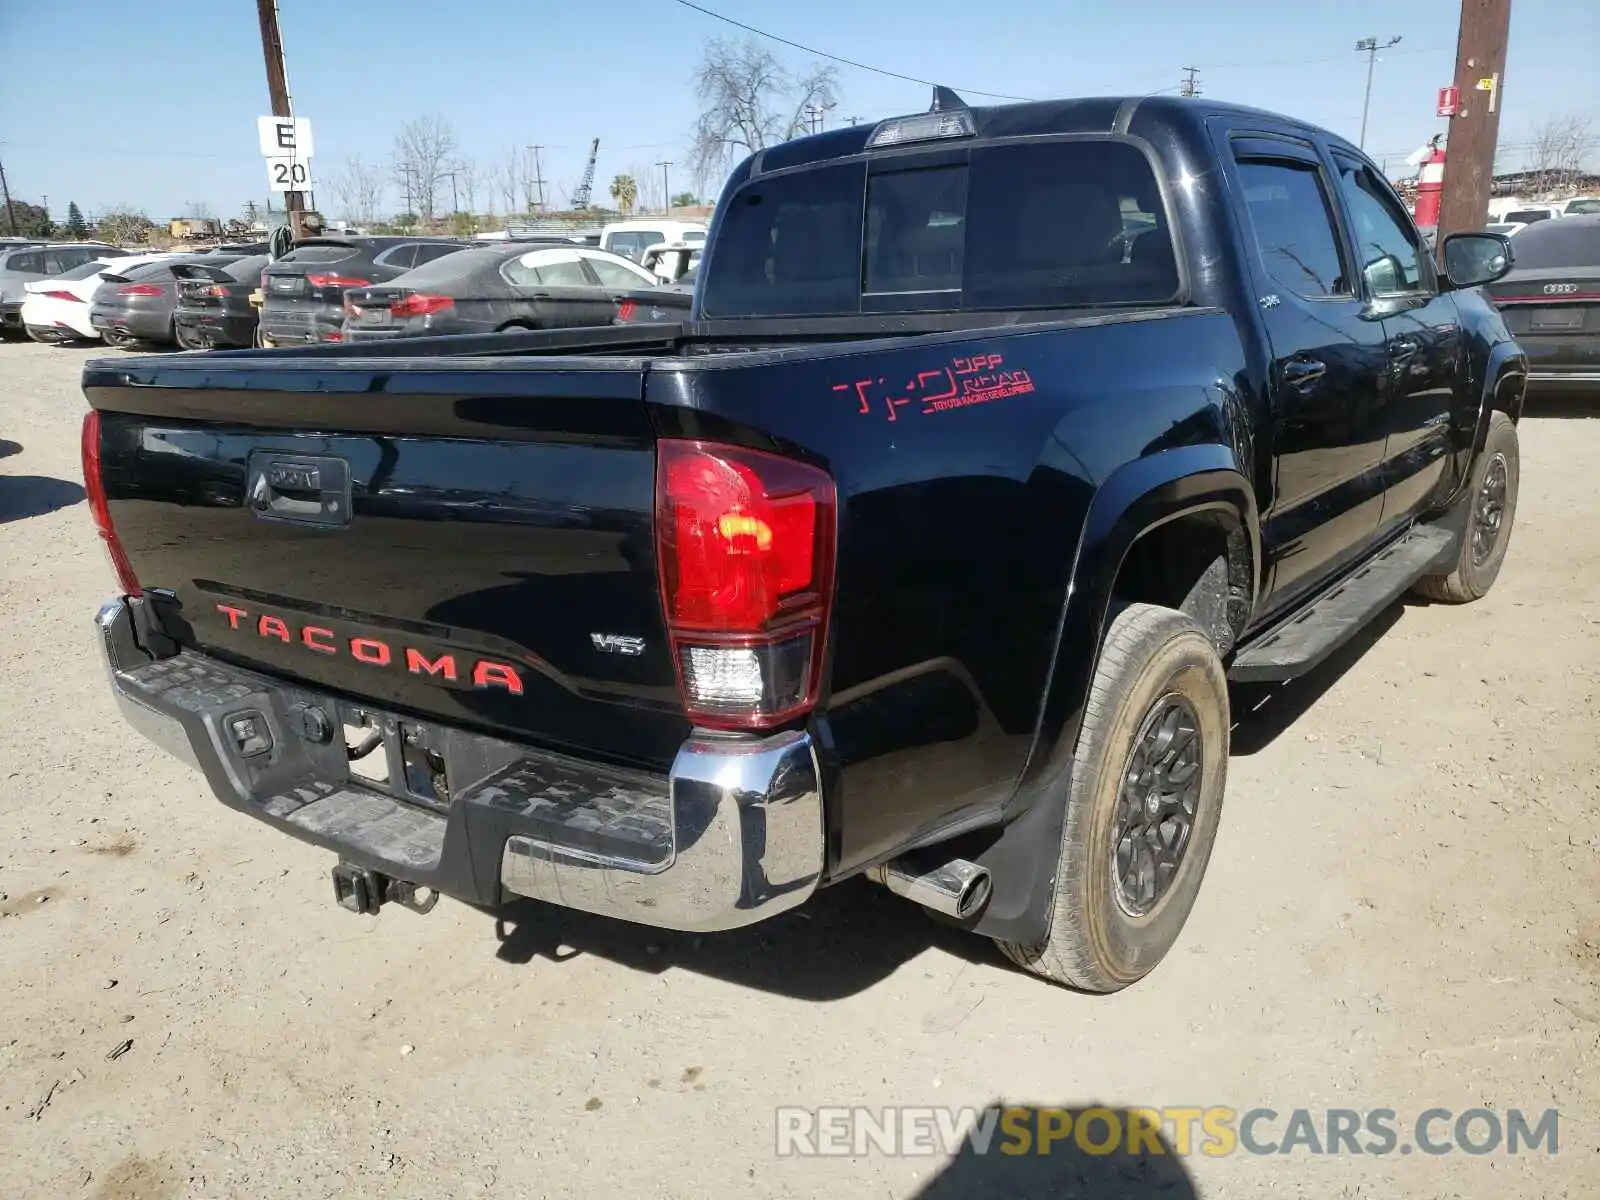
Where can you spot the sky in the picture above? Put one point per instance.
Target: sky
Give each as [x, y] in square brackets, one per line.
[153, 104]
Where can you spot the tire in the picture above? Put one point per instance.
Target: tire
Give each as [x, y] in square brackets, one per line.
[119, 341]
[185, 342]
[1492, 497]
[1104, 934]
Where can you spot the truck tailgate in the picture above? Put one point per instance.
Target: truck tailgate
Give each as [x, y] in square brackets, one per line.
[469, 541]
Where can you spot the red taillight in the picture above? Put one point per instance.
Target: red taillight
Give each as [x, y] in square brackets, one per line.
[140, 289]
[94, 486]
[65, 296]
[745, 543]
[338, 281]
[420, 305]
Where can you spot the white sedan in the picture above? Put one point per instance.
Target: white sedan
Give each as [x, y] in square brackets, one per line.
[57, 309]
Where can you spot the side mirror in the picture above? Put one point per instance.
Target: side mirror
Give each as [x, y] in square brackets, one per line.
[1471, 259]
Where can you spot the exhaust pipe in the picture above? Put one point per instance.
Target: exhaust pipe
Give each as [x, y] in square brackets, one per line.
[953, 888]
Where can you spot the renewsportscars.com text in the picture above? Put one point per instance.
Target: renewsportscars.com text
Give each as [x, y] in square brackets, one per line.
[1215, 1132]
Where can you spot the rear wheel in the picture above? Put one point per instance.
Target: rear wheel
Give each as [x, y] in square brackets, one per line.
[1143, 806]
[187, 340]
[120, 341]
[1492, 497]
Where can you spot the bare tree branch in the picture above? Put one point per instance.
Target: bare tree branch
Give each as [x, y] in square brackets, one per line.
[357, 186]
[423, 151]
[1556, 159]
[506, 179]
[748, 101]
[467, 182]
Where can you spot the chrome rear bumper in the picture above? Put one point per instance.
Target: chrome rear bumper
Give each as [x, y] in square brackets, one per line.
[731, 836]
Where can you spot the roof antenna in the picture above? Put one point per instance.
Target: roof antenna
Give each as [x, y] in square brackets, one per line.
[944, 99]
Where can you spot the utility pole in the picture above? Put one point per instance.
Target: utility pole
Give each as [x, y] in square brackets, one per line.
[666, 192]
[1369, 47]
[278, 90]
[1190, 87]
[405, 171]
[538, 180]
[1475, 129]
[11, 212]
[455, 201]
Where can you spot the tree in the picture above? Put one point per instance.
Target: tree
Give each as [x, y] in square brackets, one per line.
[1556, 158]
[32, 220]
[423, 151]
[685, 200]
[199, 210]
[357, 186]
[124, 225]
[624, 191]
[467, 182]
[749, 101]
[77, 227]
[506, 178]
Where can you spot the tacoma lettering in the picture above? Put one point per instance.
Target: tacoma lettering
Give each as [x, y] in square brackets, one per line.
[482, 673]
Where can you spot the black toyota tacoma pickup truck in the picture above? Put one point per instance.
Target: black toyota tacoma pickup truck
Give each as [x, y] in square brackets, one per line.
[998, 441]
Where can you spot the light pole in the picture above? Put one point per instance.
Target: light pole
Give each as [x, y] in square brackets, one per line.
[1369, 47]
[666, 192]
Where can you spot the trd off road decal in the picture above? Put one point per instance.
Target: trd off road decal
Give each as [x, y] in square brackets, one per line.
[957, 384]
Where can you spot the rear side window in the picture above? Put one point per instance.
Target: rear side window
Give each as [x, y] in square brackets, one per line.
[1557, 244]
[1527, 216]
[1582, 207]
[1039, 225]
[402, 258]
[427, 253]
[319, 254]
[31, 263]
[1293, 226]
[57, 261]
[547, 268]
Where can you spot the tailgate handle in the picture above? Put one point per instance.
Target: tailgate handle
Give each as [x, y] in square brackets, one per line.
[300, 489]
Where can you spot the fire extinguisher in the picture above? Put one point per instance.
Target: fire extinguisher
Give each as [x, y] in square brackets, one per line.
[1430, 185]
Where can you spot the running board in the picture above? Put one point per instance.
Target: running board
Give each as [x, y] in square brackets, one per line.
[1307, 638]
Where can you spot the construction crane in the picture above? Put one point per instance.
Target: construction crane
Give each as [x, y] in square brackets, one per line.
[580, 198]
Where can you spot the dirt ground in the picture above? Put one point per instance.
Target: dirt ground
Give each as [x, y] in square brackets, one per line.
[1403, 911]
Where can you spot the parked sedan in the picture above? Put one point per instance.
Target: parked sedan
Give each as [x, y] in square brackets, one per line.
[138, 304]
[304, 290]
[20, 264]
[57, 309]
[214, 309]
[506, 286]
[1551, 302]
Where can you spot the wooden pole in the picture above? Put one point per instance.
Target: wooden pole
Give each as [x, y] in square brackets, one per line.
[1475, 129]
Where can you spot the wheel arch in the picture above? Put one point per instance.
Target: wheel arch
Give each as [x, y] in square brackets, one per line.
[1155, 503]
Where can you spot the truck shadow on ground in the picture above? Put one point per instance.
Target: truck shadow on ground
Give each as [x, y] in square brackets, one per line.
[24, 496]
[1066, 1171]
[8, 448]
[844, 940]
[1264, 711]
[851, 936]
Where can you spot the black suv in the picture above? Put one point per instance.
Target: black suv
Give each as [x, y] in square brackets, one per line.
[304, 290]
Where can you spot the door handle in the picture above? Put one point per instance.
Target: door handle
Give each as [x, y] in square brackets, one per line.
[1404, 347]
[1303, 372]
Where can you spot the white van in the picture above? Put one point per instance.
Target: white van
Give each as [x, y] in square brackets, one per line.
[631, 238]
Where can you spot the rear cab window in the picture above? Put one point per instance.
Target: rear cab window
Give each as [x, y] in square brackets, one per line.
[1063, 223]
